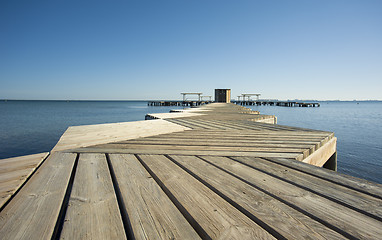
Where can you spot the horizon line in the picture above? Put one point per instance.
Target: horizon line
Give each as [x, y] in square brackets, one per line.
[143, 100]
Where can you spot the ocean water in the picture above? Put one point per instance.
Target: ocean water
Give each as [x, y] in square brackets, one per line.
[28, 127]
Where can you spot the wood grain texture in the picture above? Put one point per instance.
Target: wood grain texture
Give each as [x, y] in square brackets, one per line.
[93, 205]
[33, 212]
[336, 192]
[81, 136]
[220, 141]
[151, 213]
[217, 218]
[311, 147]
[296, 156]
[15, 171]
[17, 163]
[288, 222]
[322, 154]
[361, 185]
[336, 215]
[208, 148]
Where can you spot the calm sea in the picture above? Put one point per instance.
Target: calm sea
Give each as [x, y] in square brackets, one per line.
[28, 127]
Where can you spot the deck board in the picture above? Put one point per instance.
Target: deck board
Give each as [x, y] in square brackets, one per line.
[259, 206]
[15, 171]
[34, 210]
[295, 156]
[224, 142]
[93, 204]
[336, 216]
[330, 190]
[217, 218]
[152, 214]
[82, 136]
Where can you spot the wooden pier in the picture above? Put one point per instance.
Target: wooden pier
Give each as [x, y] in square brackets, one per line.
[276, 103]
[243, 103]
[220, 171]
[178, 103]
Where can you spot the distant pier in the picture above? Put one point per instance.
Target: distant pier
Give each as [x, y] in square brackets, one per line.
[276, 103]
[243, 103]
[177, 103]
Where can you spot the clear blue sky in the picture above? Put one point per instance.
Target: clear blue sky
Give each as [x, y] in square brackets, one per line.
[128, 50]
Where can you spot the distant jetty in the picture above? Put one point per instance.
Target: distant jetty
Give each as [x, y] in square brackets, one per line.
[190, 103]
[224, 95]
[277, 103]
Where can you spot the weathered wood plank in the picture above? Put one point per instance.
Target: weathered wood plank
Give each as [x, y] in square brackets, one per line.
[19, 174]
[33, 212]
[246, 138]
[7, 187]
[193, 125]
[82, 136]
[322, 154]
[247, 145]
[362, 185]
[237, 138]
[216, 141]
[312, 183]
[273, 129]
[217, 124]
[250, 133]
[17, 163]
[287, 221]
[151, 213]
[296, 156]
[93, 204]
[15, 171]
[202, 142]
[214, 217]
[205, 148]
[336, 216]
[207, 124]
[240, 123]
